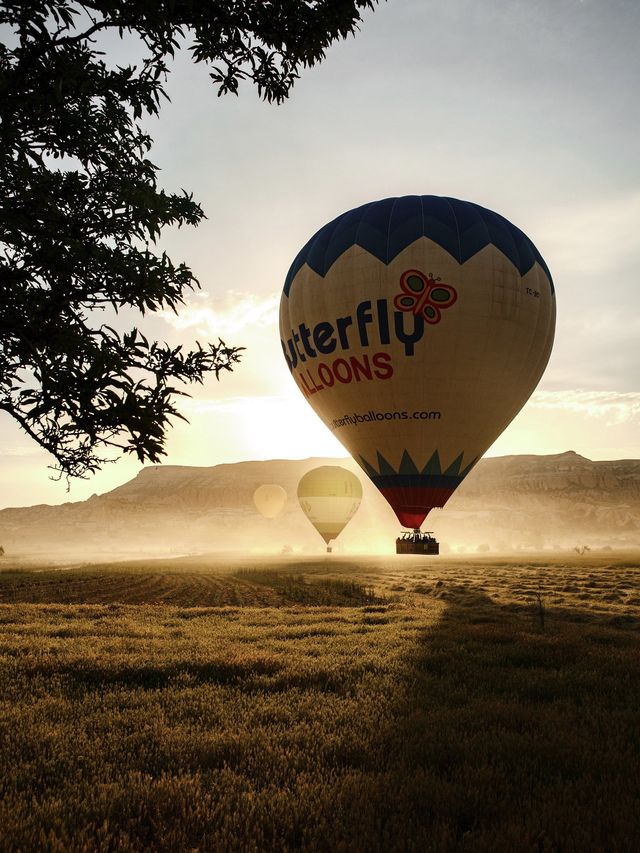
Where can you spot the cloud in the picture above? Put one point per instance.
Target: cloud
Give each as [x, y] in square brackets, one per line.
[617, 407]
[246, 320]
[20, 452]
[225, 316]
[235, 405]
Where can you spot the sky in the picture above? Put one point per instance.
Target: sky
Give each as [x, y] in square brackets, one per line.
[527, 108]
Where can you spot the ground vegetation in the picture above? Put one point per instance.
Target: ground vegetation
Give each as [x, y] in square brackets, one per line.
[443, 716]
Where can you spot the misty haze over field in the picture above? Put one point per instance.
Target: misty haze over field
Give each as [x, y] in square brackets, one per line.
[507, 503]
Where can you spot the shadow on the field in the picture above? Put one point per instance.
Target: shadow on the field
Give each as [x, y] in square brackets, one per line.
[515, 729]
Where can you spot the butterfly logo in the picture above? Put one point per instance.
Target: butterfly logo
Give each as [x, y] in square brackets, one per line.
[425, 295]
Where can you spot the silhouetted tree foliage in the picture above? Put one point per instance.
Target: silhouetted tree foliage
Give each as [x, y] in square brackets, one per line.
[81, 210]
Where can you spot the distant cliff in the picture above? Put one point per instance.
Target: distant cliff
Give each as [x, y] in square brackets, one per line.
[507, 502]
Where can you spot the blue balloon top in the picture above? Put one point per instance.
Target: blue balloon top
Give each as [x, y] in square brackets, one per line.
[384, 228]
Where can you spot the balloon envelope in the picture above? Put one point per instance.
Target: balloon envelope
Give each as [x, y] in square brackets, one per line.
[417, 327]
[270, 500]
[329, 496]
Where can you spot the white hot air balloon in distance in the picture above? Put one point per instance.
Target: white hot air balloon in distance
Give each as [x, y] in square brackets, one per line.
[417, 328]
[329, 496]
[270, 500]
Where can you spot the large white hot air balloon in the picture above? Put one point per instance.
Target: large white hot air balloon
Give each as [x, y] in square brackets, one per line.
[417, 327]
[329, 496]
[270, 500]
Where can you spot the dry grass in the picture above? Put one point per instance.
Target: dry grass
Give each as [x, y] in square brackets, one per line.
[445, 718]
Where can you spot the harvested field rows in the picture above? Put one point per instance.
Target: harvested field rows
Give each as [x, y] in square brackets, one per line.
[446, 716]
[102, 587]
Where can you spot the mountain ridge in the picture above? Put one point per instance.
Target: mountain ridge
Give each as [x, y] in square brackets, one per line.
[526, 500]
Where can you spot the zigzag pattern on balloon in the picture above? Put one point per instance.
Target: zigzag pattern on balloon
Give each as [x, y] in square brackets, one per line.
[413, 491]
[384, 228]
[407, 474]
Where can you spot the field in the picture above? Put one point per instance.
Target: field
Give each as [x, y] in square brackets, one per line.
[331, 703]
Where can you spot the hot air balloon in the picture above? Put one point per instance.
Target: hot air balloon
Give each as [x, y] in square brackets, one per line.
[269, 500]
[329, 496]
[416, 328]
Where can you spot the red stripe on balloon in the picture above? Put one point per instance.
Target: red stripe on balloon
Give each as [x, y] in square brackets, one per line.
[412, 504]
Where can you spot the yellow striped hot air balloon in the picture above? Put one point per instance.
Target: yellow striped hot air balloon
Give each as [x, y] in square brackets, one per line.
[329, 496]
[417, 327]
